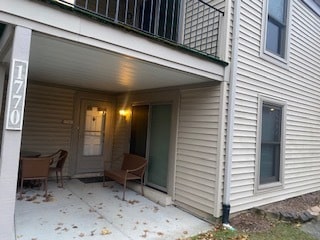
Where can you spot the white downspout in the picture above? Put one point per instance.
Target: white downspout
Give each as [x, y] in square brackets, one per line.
[230, 119]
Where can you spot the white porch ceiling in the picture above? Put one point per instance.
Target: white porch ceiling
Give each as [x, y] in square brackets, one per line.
[58, 61]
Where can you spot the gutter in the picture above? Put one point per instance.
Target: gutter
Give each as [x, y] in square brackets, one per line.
[230, 121]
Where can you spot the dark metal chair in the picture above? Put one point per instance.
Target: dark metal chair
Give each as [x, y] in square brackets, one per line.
[35, 169]
[59, 159]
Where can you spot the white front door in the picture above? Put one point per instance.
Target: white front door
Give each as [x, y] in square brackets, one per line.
[92, 147]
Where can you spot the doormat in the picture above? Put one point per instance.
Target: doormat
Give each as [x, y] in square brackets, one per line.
[91, 179]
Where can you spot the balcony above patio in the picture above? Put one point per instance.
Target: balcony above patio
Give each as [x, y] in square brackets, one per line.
[126, 47]
[195, 26]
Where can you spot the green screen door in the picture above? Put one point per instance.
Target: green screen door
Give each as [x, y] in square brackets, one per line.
[159, 141]
[158, 119]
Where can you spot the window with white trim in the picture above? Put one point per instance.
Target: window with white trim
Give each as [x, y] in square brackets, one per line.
[271, 143]
[276, 28]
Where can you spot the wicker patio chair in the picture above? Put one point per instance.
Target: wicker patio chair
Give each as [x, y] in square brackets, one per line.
[35, 169]
[59, 159]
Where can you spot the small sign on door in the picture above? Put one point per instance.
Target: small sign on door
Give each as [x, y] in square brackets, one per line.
[16, 94]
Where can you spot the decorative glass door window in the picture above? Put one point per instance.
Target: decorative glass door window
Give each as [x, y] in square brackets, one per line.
[94, 131]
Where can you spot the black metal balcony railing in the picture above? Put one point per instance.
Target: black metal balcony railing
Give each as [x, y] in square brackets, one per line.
[161, 18]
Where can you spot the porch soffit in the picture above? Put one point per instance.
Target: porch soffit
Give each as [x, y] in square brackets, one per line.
[58, 61]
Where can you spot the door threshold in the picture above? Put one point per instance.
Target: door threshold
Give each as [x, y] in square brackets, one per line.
[154, 195]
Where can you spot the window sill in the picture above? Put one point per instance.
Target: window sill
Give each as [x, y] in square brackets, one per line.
[268, 187]
[274, 59]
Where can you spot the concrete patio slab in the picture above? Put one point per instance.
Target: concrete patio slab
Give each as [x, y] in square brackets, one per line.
[90, 211]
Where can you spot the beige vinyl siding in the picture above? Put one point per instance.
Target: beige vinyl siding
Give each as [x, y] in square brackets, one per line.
[46, 107]
[298, 86]
[121, 140]
[197, 147]
[229, 29]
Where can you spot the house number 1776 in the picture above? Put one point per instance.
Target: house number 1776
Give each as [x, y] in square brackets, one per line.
[16, 97]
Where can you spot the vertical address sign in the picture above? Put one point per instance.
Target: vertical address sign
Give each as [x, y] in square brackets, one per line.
[16, 95]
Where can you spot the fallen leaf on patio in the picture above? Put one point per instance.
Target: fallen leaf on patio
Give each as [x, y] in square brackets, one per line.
[81, 235]
[20, 198]
[56, 229]
[92, 232]
[37, 202]
[100, 217]
[167, 221]
[185, 232]
[155, 209]
[133, 201]
[91, 210]
[74, 226]
[60, 224]
[89, 193]
[160, 233]
[65, 229]
[145, 233]
[31, 198]
[144, 223]
[119, 215]
[33, 238]
[105, 231]
[49, 198]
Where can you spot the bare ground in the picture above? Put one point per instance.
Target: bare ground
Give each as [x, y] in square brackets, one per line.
[254, 221]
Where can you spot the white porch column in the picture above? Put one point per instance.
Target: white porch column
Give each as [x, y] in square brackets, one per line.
[12, 129]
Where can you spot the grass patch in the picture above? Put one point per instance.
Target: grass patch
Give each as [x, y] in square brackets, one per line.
[280, 230]
[283, 231]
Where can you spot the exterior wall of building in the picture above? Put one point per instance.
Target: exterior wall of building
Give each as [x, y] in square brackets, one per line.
[296, 84]
[50, 121]
[197, 163]
[46, 108]
[194, 154]
[43, 130]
